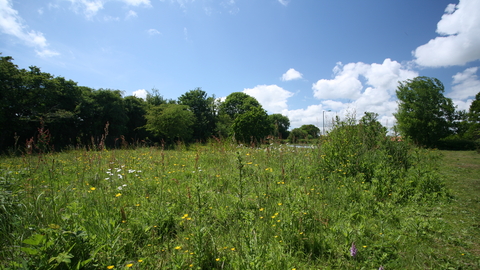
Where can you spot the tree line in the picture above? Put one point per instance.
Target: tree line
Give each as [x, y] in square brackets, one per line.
[39, 110]
[42, 112]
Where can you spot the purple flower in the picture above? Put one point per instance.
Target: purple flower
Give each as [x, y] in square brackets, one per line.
[353, 250]
[381, 268]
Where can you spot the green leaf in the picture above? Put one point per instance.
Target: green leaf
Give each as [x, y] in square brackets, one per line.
[30, 251]
[34, 240]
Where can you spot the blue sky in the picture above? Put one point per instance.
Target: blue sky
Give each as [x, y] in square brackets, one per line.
[300, 58]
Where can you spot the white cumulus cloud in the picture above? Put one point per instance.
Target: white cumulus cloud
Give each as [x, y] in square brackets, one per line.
[12, 24]
[347, 83]
[459, 40]
[272, 97]
[140, 93]
[356, 88]
[465, 84]
[291, 74]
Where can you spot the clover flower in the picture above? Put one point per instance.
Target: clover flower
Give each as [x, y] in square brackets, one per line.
[353, 250]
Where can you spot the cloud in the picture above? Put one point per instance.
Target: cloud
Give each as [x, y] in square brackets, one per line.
[291, 74]
[458, 44]
[465, 84]
[153, 32]
[312, 115]
[355, 88]
[131, 14]
[283, 2]
[140, 93]
[90, 8]
[12, 24]
[272, 97]
[137, 2]
[347, 82]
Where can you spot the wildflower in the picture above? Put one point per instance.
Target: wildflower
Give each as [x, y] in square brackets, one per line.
[353, 250]
[217, 259]
[381, 268]
[129, 265]
[178, 247]
[110, 267]
[140, 261]
[118, 195]
[92, 188]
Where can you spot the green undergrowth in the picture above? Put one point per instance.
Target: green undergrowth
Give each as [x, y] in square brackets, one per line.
[222, 206]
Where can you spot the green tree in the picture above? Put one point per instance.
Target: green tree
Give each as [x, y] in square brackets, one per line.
[170, 122]
[238, 103]
[203, 109]
[312, 131]
[280, 125]
[99, 107]
[251, 126]
[296, 135]
[10, 103]
[135, 109]
[154, 98]
[424, 114]
[473, 131]
[249, 121]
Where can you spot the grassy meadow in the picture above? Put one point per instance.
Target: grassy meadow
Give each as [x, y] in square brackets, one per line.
[352, 202]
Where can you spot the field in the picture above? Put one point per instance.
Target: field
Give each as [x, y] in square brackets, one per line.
[348, 203]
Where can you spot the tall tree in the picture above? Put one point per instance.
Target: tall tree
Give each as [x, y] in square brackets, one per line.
[170, 122]
[203, 109]
[135, 109]
[10, 83]
[251, 126]
[249, 121]
[424, 114]
[473, 131]
[280, 125]
[237, 103]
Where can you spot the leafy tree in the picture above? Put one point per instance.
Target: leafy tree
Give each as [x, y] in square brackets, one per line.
[312, 131]
[238, 103]
[135, 109]
[297, 134]
[252, 125]
[170, 122]
[280, 125]
[304, 132]
[154, 98]
[424, 114]
[98, 108]
[202, 108]
[10, 105]
[249, 121]
[473, 131]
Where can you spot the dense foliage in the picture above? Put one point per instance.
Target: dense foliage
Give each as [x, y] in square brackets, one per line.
[424, 114]
[43, 113]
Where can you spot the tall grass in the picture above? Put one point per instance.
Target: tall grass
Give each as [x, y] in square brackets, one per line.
[222, 206]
